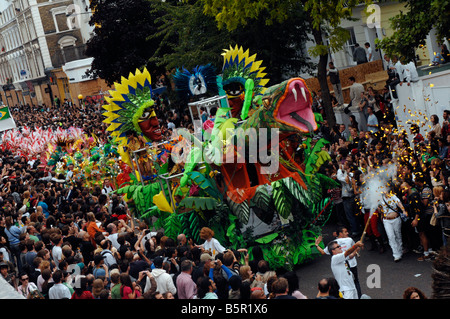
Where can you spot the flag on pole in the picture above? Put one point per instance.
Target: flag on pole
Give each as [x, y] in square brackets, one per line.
[6, 120]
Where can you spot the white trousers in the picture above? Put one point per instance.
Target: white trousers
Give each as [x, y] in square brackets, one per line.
[350, 294]
[393, 229]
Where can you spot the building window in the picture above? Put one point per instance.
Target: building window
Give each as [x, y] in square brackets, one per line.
[60, 19]
[349, 47]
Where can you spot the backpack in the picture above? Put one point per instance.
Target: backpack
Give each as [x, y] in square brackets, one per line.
[103, 254]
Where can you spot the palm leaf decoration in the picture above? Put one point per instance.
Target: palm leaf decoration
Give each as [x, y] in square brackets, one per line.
[314, 191]
[141, 195]
[205, 184]
[267, 239]
[241, 211]
[327, 182]
[199, 203]
[172, 226]
[307, 249]
[322, 211]
[282, 200]
[263, 197]
[218, 221]
[314, 157]
[297, 191]
[274, 255]
[191, 224]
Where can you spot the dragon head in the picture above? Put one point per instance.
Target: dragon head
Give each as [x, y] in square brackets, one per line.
[290, 105]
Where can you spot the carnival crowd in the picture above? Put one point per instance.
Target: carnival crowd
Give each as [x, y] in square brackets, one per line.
[50, 230]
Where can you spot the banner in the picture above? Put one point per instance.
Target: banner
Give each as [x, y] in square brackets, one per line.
[6, 120]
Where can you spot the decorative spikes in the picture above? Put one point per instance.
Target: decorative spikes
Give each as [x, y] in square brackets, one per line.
[125, 102]
[239, 64]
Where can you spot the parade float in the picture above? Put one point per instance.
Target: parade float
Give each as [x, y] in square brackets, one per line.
[236, 174]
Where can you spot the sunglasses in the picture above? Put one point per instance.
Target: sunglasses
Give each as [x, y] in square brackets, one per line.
[338, 246]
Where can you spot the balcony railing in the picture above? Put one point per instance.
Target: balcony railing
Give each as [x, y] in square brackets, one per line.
[67, 54]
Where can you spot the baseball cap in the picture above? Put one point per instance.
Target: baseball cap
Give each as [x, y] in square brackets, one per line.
[427, 193]
[205, 256]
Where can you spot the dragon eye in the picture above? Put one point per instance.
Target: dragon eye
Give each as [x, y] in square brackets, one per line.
[267, 102]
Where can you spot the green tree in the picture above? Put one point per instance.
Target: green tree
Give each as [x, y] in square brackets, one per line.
[190, 38]
[186, 37]
[119, 44]
[323, 17]
[413, 26]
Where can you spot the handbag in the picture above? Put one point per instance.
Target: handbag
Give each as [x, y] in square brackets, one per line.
[433, 220]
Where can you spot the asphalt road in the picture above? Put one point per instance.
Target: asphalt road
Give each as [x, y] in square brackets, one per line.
[379, 276]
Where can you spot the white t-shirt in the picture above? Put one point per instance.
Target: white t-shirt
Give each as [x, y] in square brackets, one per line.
[107, 189]
[345, 243]
[341, 272]
[59, 291]
[113, 239]
[389, 204]
[369, 54]
[57, 254]
[213, 246]
[5, 254]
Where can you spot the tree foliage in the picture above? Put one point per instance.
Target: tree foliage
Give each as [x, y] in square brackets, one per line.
[322, 17]
[195, 38]
[413, 26]
[119, 44]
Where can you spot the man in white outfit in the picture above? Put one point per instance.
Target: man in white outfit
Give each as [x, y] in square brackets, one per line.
[341, 270]
[369, 52]
[409, 73]
[390, 206]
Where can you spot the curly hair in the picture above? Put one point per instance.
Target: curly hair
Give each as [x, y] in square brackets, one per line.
[206, 232]
[409, 291]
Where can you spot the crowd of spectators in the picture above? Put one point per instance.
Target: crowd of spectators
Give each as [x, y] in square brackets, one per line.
[67, 241]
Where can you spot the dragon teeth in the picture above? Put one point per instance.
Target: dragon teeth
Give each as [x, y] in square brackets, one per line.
[294, 91]
[303, 93]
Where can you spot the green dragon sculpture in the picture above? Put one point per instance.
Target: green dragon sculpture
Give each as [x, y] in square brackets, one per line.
[280, 211]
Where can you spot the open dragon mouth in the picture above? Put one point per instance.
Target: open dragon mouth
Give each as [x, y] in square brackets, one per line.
[294, 107]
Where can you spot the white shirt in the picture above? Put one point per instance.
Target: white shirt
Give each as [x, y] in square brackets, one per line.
[5, 254]
[113, 239]
[107, 189]
[213, 246]
[399, 70]
[342, 273]
[345, 243]
[410, 73]
[59, 291]
[57, 254]
[369, 54]
[389, 204]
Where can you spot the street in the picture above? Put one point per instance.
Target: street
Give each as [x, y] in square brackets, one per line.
[379, 276]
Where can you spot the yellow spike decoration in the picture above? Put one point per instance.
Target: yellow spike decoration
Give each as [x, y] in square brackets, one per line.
[118, 121]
